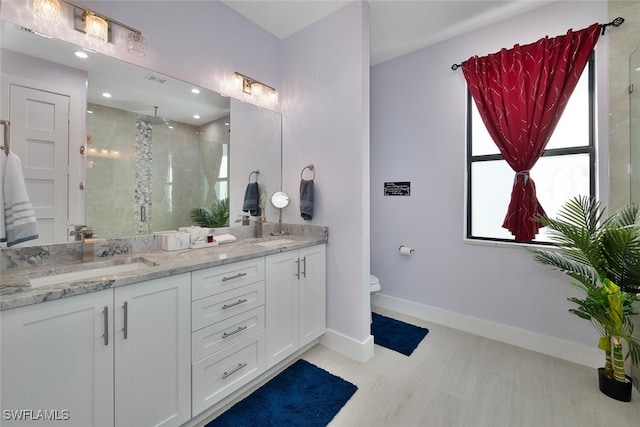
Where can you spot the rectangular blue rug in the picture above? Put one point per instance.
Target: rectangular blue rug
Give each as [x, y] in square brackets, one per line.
[301, 395]
[395, 334]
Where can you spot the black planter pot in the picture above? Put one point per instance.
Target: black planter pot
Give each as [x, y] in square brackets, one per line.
[615, 389]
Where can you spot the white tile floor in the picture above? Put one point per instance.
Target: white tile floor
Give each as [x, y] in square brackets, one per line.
[457, 379]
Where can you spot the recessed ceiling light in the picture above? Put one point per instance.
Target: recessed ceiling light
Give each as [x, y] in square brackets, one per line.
[81, 54]
[226, 123]
[106, 95]
[195, 90]
[89, 111]
[195, 116]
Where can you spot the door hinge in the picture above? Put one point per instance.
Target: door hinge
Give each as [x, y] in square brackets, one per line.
[68, 170]
[631, 88]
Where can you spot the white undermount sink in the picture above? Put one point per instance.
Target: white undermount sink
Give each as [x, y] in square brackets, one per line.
[275, 242]
[87, 271]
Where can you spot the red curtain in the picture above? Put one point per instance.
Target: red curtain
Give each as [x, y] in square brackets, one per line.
[521, 94]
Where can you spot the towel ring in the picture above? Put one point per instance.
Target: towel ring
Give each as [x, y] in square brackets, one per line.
[257, 173]
[311, 168]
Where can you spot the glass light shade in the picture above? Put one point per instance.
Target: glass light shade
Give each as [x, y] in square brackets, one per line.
[237, 83]
[136, 44]
[96, 27]
[257, 90]
[47, 11]
[273, 98]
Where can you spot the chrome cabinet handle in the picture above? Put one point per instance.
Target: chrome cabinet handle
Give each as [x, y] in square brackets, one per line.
[105, 313]
[240, 329]
[298, 265]
[126, 319]
[234, 370]
[304, 272]
[233, 304]
[224, 279]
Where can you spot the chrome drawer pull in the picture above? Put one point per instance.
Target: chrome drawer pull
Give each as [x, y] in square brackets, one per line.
[304, 272]
[240, 301]
[105, 313]
[234, 370]
[240, 329]
[125, 306]
[224, 279]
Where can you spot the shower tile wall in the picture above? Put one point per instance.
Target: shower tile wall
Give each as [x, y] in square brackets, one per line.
[178, 183]
[143, 191]
[111, 172]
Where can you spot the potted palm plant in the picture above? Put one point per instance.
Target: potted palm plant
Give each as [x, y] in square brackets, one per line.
[602, 255]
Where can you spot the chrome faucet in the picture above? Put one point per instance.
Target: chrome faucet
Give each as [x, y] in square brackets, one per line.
[88, 241]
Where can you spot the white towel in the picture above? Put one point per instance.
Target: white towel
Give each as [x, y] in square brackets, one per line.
[19, 222]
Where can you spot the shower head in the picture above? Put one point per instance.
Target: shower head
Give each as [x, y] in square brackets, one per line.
[157, 120]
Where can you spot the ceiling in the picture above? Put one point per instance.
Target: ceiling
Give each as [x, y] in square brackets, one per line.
[397, 26]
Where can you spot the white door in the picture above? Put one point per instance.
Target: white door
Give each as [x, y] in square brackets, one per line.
[40, 137]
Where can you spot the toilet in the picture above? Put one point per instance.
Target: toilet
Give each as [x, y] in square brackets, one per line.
[374, 286]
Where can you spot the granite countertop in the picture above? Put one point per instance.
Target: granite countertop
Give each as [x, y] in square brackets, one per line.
[16, 289]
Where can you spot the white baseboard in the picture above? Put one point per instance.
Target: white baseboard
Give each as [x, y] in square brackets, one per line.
[356, 350]
[551, 346]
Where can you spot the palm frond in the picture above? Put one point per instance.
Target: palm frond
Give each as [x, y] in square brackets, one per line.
[578, 269]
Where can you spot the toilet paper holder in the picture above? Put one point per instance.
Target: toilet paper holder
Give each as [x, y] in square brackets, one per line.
[405, 250]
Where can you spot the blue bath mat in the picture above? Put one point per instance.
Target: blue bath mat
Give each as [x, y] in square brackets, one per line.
[301, 395]
[396, 335]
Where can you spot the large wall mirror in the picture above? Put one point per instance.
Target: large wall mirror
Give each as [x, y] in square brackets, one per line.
[132, 163]
[634, 123]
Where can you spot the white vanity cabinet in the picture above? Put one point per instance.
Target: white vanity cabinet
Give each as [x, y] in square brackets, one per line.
[67, 357]
[295, 300]
[228, 329]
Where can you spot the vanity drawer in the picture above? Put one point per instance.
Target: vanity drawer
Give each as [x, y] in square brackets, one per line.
[211, 281]
[213, 309]
[218, 375]
[218, 336]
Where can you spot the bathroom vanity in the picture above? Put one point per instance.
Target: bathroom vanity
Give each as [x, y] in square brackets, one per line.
[167, 343]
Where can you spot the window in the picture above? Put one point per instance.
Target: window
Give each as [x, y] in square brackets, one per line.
[566, 169]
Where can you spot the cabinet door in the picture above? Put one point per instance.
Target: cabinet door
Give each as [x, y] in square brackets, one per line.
[312, 293]
[281, 306]
[153, 352]
[57, 363]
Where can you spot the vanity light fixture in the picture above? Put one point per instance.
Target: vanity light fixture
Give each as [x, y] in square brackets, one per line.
[94, 25]
[250, 90]
[47, 11]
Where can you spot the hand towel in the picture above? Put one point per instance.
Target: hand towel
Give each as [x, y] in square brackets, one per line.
[306, 199]
[19, 217]
[252, 199]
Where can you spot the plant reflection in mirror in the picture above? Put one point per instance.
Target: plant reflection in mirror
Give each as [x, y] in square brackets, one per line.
[213, 217]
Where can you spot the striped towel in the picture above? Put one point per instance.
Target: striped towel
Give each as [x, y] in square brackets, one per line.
[18, 220]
